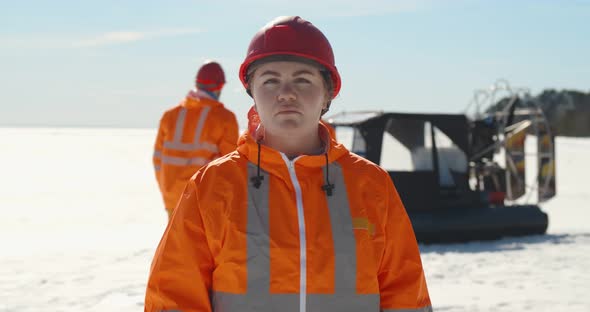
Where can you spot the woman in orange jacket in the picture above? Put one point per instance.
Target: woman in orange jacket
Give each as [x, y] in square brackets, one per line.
[291, 220]
[193, 133]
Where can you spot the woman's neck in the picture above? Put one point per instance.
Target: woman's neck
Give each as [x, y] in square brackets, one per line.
[293, 146]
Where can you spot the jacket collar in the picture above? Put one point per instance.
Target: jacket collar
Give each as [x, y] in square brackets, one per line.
[196, 98]
[270, 158]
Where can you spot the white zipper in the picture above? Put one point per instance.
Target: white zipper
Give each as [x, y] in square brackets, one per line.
[302, 242]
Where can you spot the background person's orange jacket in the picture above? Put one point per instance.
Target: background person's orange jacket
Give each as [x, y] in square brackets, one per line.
[232, 246]
[190, 135]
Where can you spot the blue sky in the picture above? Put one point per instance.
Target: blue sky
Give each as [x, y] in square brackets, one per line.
[122, 63]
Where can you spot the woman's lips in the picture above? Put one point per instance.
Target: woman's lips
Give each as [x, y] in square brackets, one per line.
[289, 111]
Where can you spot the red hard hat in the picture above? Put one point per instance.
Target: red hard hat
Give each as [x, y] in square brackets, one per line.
[291, 35]
[211, 75]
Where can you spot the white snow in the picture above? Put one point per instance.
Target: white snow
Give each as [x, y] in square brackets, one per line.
[81, 216]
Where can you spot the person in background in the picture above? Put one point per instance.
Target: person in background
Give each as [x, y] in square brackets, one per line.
[192, 133]
[291, 220]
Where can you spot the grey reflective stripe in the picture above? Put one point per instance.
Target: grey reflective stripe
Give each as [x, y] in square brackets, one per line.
[157, 154]
[176, 143]
[184, 161]
[257, 240]
[342, 233]
[201, 123]
[345, 296]
[343, 303]
[178, 130]
[257, 297]
[226, 302]
[424, 309]
[179, 146]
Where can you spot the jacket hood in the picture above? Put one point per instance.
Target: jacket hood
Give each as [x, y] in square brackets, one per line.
[196, 98]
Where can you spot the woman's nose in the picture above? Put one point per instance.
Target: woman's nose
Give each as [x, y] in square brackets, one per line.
[286, 93]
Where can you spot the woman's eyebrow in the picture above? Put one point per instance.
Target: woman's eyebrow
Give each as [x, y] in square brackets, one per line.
[270, 72]
[302, 72]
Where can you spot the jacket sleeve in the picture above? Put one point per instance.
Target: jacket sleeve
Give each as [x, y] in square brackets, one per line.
[181, 272]
[229, 140]
[158, 146]
[402, 284]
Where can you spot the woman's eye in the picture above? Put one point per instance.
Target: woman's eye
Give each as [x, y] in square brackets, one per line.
[271, 81]
[302, 80]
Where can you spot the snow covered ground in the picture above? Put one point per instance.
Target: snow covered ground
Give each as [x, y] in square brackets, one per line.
[80, 218]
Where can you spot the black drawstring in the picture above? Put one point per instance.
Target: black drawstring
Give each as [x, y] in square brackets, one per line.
[328, 187]
[257, 180]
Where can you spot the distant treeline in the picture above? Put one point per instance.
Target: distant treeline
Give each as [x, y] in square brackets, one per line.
[568, 111]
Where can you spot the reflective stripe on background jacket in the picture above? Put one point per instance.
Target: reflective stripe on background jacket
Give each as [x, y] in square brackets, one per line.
[288, 244]
[191, 134]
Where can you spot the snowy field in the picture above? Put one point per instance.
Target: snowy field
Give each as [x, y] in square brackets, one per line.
[80, 218]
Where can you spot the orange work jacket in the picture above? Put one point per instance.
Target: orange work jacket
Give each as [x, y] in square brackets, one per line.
[329, 127]
[255, 231]
[190, 135]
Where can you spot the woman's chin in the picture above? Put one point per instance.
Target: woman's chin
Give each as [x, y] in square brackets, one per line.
[287, 124]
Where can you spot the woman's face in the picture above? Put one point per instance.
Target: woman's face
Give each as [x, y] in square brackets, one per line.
[289, 96]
